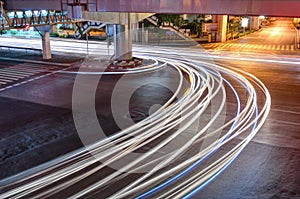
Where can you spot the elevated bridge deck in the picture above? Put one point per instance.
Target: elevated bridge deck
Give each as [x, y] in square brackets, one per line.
[286, 8]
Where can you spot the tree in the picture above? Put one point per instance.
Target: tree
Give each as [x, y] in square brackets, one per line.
[169, 18]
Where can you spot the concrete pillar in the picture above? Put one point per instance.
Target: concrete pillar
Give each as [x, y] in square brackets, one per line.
[222, 28]
[136, 32]
[214, 18]
[254, 23]
[54, 28]
[123, 42]
[46, 46]
[45, 34]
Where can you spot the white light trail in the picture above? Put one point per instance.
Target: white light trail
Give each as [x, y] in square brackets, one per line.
[207, 95]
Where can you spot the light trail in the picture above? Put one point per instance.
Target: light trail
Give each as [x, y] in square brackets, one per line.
[209, 86]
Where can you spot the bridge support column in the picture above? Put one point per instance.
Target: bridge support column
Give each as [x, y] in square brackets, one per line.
[46, 46]
[54, 28]
[254, 23]
[45, 34]
[123, 42]
[222, 27]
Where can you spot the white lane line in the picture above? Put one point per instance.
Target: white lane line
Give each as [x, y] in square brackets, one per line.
[247, 46]
[8, 77]
[251, 46]
[13, 75]
[6, 80]
[26, 68]
[30, 70]
[292, 47]
[260, 47]
[265, 47]
[225, 46]
[240, 46]
[32, 79]
[278, 47]
[14, 71]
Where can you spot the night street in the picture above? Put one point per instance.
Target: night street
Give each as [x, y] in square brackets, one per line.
[279, 36]
[39, 122]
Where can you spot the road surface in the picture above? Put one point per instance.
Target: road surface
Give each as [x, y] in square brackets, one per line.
[267, 168]
[278, 37]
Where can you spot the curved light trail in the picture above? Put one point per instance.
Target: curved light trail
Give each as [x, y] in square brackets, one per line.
[216, 115]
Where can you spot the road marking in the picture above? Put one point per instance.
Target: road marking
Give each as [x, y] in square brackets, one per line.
[226, 46]
[265, 47]
[26, 65]
[12, 78]
[246, 45]
[25, 69]
[6, 80]
[251, 46]
[282, 47]
[15, 71]
[236, 46]
[269, 47]
[273, 47]
[13, 75]
[34, 78]
[278, 47]
[10, 74]
[232, 46]
[292, 47]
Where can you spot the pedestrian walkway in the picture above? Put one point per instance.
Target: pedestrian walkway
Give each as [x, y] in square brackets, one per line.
[14, 74]
[233, 46]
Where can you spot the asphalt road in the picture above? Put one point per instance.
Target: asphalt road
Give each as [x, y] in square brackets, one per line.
[267, 168]
[277, 37]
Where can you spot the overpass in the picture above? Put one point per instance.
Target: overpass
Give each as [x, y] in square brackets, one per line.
[286, 8]
[127, 12]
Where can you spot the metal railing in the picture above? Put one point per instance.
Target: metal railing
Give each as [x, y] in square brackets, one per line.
[21, 19]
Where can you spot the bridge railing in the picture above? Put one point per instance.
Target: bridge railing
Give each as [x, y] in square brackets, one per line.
[20, 19]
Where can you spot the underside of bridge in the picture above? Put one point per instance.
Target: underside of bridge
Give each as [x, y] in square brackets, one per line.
[286, 8]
